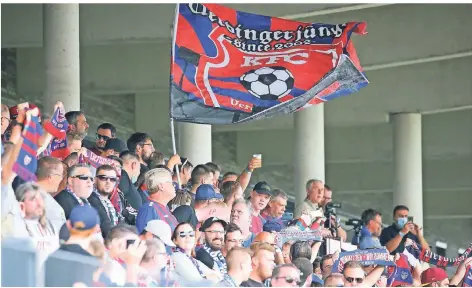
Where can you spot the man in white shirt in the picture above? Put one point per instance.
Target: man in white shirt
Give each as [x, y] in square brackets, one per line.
[31, 199]
[50, 174]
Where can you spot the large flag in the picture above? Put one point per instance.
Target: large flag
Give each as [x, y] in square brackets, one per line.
[230, 66]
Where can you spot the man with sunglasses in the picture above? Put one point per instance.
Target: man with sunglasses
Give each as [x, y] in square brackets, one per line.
[78, 189]
[105, 183]
[104, 132]
[354, 275]
[285, 275]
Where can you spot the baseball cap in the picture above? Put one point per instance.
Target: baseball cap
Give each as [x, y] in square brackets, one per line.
[207, 192]
[270, 226]
[84, 217]
[160, 229]
[210, 222]
[116, 144]
[263, 188]
[431, 275]
[305, 267]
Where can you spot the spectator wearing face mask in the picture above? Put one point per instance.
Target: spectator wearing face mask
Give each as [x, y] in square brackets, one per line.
[394, 236]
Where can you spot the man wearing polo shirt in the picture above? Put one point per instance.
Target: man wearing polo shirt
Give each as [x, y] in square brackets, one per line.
[259, 198]
[313, 204]
[161, 191]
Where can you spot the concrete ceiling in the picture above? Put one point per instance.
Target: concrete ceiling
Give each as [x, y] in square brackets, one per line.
[417, 57]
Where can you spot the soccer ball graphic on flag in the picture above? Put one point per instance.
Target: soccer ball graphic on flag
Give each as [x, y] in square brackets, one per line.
[268, 83]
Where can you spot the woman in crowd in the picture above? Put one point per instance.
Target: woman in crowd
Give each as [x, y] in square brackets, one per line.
[186, 266]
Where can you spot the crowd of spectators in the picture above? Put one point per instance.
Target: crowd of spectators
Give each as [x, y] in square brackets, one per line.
[150, 219]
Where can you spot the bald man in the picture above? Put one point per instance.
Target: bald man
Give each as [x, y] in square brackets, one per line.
[239, 267]
[269, 238]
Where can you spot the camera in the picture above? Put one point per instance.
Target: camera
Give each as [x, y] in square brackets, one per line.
[354, 222]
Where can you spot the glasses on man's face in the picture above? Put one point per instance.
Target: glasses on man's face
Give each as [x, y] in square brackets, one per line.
[103, 137]
[105, 178]
[83, 177]
[290, 280]
[190, 234]
[352, 279]
[148, 144]
[6, 119]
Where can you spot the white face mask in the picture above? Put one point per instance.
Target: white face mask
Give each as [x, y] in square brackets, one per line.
[134, 178]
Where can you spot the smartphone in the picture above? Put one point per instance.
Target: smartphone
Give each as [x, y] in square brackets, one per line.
[410, 219]
[259, 156]
[129, 242]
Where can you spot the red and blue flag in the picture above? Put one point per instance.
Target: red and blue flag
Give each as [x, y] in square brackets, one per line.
[230, 66]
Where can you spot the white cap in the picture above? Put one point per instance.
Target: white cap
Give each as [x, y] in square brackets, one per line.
[162, 230]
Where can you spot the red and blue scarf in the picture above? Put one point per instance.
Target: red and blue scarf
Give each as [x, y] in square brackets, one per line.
[467, 282]
[401, 274]
[430, 257]
[57, 127]
[27, 163]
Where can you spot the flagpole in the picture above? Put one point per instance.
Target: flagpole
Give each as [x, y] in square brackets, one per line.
[173, 31]
[172, 132]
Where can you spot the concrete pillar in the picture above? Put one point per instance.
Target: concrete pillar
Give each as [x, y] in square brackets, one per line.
[407, 158]
[309, 152]
[194, 142]
[61, 55]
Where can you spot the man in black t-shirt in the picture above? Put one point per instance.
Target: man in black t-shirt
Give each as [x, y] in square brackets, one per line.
[394, 236]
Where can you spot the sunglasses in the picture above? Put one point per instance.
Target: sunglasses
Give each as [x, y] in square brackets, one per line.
[83, 177]
[351, 279]
[190, 234]
[105, 178]
[290, 280]
[104, 138]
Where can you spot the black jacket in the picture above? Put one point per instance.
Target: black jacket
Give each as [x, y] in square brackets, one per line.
[105, 222]
[130, 191]
[67, 202]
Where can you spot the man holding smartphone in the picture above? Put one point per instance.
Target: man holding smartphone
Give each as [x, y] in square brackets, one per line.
[394, 236]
